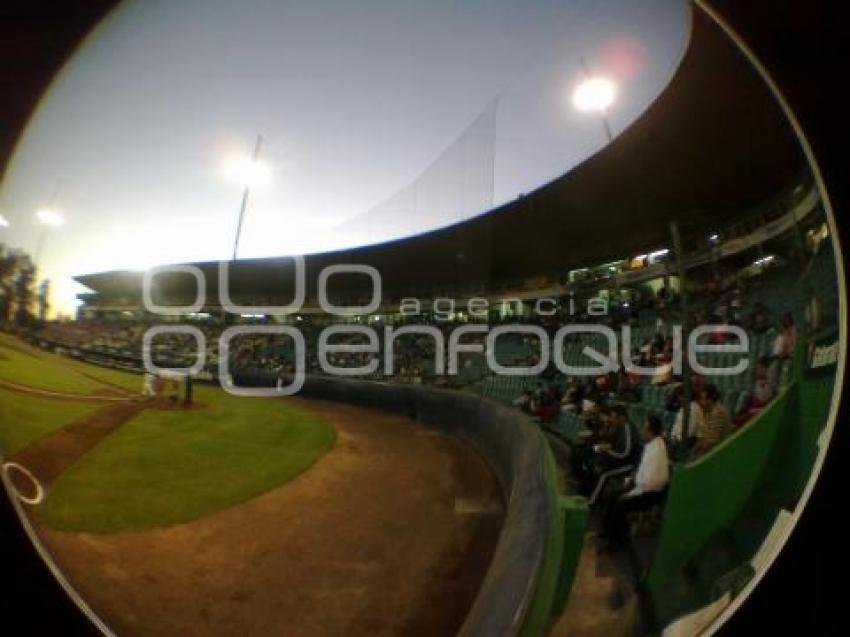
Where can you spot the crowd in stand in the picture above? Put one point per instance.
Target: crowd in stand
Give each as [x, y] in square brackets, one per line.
[612, 447]
[270, 354]
[414, 354]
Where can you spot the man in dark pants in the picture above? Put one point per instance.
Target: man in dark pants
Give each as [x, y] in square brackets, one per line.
[187, 398]
[646, 489]
[616, 456]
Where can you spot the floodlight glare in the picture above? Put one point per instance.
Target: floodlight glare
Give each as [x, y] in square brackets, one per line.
[246, 172]
[4, 223]
[594, 94]
[50, 218]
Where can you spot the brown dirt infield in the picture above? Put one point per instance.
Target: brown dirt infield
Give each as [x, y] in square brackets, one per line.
[369, 541]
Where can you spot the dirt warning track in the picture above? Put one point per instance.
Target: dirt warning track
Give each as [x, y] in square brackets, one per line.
[389, 533]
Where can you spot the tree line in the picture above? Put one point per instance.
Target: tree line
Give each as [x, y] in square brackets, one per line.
[23, 300]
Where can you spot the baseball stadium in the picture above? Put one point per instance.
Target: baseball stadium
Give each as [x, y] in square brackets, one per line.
[595, 409]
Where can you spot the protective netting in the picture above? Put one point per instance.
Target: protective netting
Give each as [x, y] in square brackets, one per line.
[459, 183]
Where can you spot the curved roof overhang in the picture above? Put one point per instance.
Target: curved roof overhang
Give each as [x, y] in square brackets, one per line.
[714, 144]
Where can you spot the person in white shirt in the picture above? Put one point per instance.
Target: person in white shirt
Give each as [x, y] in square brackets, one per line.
[694, 422]
[646, 489]
[654, 469]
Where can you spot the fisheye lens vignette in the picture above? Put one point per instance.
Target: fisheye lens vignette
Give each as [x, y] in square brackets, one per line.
[515, 386]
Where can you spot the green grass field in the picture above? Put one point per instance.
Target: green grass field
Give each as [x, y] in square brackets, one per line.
[21, 364]
[163, 466]
[24, 419]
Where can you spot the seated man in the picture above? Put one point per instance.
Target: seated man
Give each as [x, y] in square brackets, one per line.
[548, 406]
[646, 489]
[571, 400]
[614, 454]
[716, 421]
[682, 441]
[626, 386]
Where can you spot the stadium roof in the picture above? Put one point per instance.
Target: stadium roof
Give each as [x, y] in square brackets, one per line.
[714, 145]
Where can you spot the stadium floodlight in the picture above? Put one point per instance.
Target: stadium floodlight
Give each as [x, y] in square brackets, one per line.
[594, 94]
[49, 217]
[247, 172]
[4, 223]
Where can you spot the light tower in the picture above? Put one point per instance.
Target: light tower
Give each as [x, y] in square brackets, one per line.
[247, 172]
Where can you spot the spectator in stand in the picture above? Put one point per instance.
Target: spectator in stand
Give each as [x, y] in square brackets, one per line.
[812, 311]
[762, 392]
[626, 386]
[698, 385]
[663, 373]
[614, 455]
[719, 334]
[645, 489]
[716, 422]
[537, 397]
[659, 340]
[548, 406]
[736, 305]
[644, 355]
[759, 321]
[611, 384]
[594, 394]
[572, 398]
[603, 386]
[786, 340]
[662, 298]
[636, 359]
[524, 401]
[683, 441]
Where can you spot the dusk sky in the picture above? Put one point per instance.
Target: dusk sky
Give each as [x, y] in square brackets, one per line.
[354, 100]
